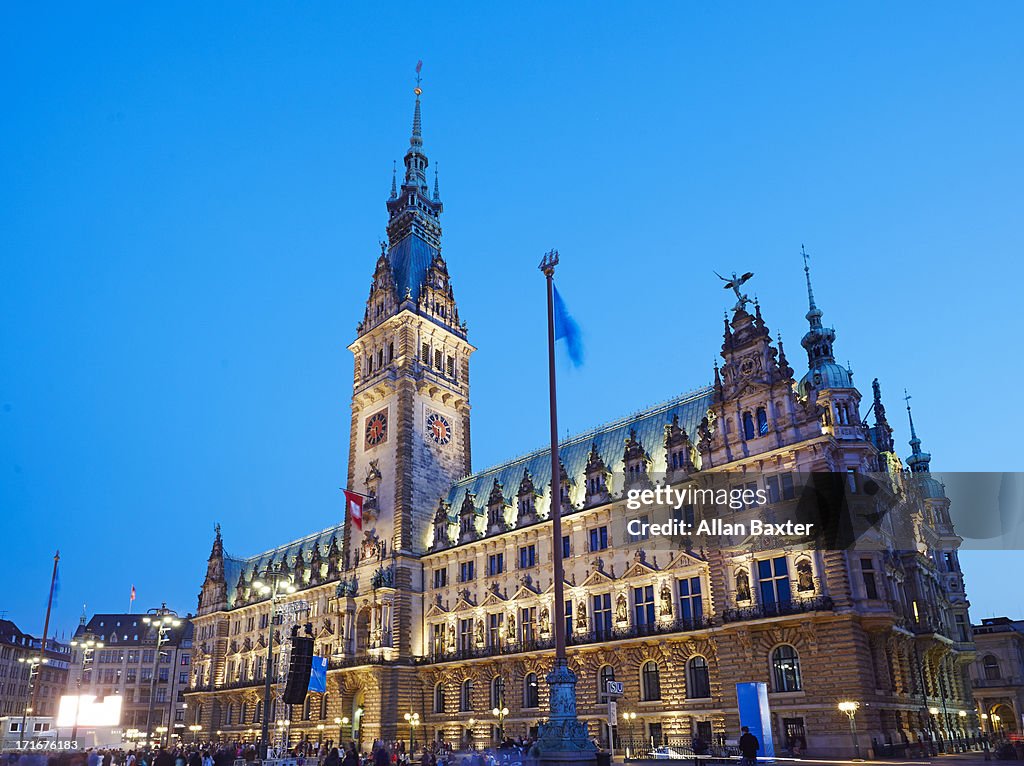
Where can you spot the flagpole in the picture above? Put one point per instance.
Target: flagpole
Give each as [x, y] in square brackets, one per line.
[46, 630]
[563, 737]
[548, 267]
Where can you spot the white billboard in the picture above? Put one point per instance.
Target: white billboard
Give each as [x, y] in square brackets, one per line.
[89, 711]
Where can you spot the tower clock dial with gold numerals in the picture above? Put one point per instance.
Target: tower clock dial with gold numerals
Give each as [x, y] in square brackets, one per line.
[438, 428]
[377, 428]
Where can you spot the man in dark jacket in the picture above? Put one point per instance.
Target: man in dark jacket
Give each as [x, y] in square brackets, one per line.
[749, 747]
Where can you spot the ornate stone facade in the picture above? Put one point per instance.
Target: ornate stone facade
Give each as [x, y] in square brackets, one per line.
[442, 604]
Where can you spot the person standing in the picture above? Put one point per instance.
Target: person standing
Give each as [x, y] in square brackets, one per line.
[749, 747]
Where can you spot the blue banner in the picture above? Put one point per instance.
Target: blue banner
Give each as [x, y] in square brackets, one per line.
[318, 675]
[752, 700]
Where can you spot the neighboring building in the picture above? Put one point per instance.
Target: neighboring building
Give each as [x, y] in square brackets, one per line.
[128, 665]
[442, 603]
[997, 674]
[22, 680]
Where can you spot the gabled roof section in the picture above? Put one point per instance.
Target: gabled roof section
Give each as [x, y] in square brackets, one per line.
[574, 452]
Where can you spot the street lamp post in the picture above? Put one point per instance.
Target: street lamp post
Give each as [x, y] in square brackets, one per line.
[469, 733]
[850, 708]
[629, 718]
[500, 713]
[413, 719]
[88, 644]
[195, 729]
[163, 619]
[274, 584]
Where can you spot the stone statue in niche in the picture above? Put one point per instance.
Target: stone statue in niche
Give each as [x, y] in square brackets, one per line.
[621, 612]
[581, 615]
[804, 576]
[479, 632]
[666, 600]
[510, 627]
[545, 621]
[742, 586]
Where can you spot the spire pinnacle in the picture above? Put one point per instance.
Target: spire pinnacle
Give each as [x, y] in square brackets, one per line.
[919, 461]
[417, 128]
[813, 312]
[437, 195]
[394, 179]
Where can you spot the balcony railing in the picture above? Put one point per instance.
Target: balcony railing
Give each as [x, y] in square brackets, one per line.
[760, 611]
[575, 639]
[993, 683]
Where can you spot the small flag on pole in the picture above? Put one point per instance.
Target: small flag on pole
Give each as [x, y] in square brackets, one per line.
[133, 594]
[566, 329]
[354, 503]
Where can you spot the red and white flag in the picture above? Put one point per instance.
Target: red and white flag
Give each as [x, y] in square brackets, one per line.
[133, 594]
[354, 502]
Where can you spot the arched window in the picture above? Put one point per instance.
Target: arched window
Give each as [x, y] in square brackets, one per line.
[748, 426]
[258, 717]
[198, 713]
[604, 675]
[306, 712]
[243, 716]
[229, 714]
[498, 692]
[992, 672]
[650, 681]
[323, 707]
[762, 421]
[786, 669]
[438, 698]
[698, 682]
[531, 696]
[466, 696]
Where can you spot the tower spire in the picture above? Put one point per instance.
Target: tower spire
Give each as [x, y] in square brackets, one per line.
[823, 372]
[919, 461]
[813, 312]
[437, 195]
[394, 179]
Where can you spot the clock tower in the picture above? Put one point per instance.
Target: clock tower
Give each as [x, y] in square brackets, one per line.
[410, 403]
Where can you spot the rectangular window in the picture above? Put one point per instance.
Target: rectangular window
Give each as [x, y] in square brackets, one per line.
[495, 564]
[528, 624]
[450, 367]
[598, 539]
[527, 556]
[773, 579]
[642, 526]
[962, 633]
[437, 636]
[788, 492]
[691, 606]
[643, 605]
[467, 571]
[602, 609]
[568, 617]
[751, 489]
[495, 624]
[438, 360]
[771, 484]
[566, 547]
[425, 353]
[440, 577]
[465, 635]
[867, 569]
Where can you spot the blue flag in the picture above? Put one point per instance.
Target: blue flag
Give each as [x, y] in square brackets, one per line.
[567, 329]
[318, 675]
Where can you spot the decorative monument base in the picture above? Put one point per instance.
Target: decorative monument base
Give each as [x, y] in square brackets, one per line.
[563, 737]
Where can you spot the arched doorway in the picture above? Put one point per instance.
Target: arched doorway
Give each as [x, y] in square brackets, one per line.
[1003, 719]
[358, 705]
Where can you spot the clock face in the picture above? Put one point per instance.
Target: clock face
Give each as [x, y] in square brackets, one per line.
[376, 428]
[438, 428]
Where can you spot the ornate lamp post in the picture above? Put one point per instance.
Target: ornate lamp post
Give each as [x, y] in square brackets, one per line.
[163, 619]
[470, 736]
[413, 719]
[850, 708]
[274, 584]
[500, 713]
[629, 718]
[87, 644]
[195, 729]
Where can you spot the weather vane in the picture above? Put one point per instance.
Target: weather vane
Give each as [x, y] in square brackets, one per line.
[418, 90]
[734, 284]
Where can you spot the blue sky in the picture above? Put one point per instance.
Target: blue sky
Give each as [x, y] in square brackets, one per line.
[193, 193]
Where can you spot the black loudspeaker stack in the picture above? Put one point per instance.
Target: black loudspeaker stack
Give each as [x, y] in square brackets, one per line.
[298, 671]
